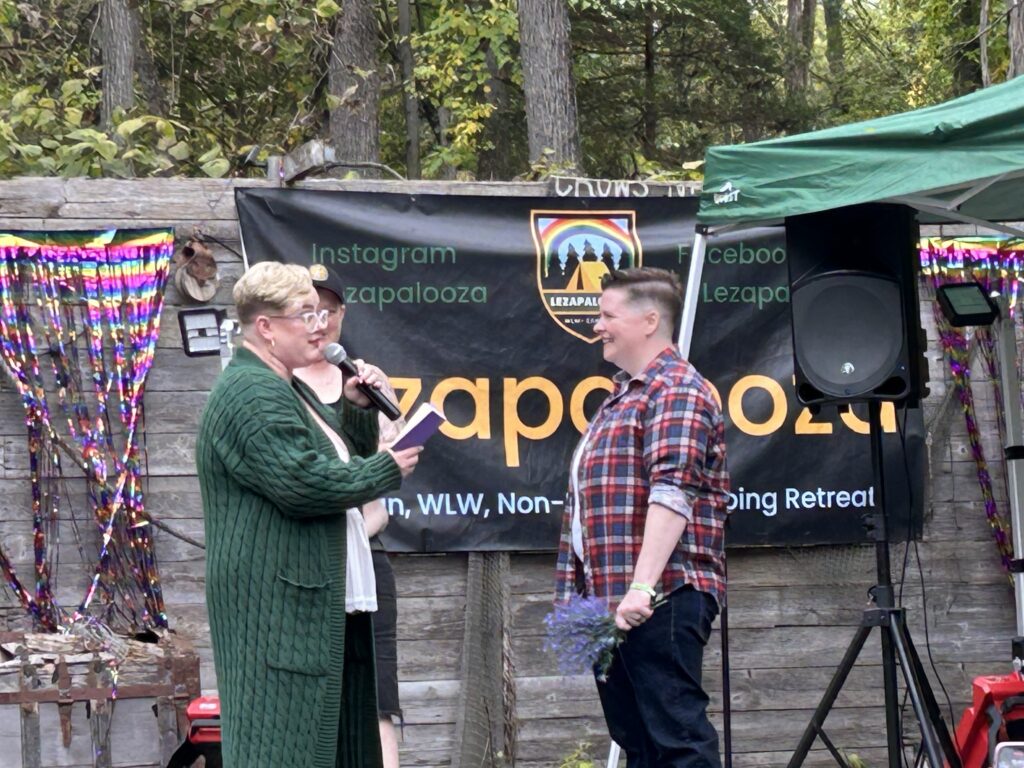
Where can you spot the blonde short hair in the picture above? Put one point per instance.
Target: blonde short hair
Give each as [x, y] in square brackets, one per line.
[269, 286]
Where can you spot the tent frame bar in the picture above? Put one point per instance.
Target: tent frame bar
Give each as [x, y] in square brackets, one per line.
[979, 184]
[977, 189]
[938, 208]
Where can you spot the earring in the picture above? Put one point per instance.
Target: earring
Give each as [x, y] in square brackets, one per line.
[271, 343]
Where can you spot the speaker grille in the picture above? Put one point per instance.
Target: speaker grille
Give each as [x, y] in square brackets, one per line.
[851, 339]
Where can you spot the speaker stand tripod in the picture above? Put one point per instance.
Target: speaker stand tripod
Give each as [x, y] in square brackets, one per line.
[897, 646]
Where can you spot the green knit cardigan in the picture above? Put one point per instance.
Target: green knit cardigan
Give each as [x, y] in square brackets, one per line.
[274, 499]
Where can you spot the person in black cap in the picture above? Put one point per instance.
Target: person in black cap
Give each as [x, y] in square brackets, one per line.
[326, 382]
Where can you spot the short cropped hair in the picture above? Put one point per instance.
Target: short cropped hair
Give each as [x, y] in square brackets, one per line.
[659, 286]
[269, 286]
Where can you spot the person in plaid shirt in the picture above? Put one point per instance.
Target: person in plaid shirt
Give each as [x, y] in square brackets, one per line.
[644, 521]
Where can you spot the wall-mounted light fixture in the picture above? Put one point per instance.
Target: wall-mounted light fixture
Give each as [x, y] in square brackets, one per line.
[200, 331]
[966, 304]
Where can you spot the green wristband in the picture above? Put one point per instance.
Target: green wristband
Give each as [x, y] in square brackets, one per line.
[647, 589]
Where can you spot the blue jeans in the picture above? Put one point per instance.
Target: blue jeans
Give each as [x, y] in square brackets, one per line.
[653, 701]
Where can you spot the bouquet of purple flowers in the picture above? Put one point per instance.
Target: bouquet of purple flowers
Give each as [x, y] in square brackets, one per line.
[582, 635]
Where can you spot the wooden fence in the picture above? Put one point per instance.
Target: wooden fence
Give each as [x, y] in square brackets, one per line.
[792, 611]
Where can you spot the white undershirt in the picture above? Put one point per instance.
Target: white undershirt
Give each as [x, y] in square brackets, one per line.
[574, 474]
[360, 584]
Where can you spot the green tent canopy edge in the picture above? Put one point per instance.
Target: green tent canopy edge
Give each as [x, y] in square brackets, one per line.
[959, 161]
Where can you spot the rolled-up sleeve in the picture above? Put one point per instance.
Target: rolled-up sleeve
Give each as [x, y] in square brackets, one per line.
[677, 430]
[672, 498]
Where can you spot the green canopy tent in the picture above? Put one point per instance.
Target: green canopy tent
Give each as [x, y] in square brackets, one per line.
[960, 161]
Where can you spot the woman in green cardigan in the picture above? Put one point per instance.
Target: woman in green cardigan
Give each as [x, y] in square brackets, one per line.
[275, 493]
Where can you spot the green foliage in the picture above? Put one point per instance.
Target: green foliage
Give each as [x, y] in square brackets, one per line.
[53, 131]
[233, 73]
[462, 48]
[658, 81]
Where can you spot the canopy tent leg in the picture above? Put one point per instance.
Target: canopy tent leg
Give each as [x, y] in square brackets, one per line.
[614, 751]
[692, 294]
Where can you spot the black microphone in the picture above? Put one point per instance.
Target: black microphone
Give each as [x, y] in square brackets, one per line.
[335, 355]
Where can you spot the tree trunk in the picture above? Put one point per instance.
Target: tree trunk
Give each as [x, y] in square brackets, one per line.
[444, 121]
[153, 92]
[551, 120]
[967, 68]
[794, 45]
[835, 50]
[354, 83]
[409, 100]
[117, 46]
[1016, 32]
[799, 40]
[808, 17]
[649, 140]
[501, 160]
[986, 76]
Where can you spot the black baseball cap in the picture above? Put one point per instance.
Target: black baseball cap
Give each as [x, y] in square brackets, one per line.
[326, 278]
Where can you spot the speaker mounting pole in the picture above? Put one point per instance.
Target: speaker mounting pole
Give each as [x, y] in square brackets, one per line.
[1014, 451]
[898, 652]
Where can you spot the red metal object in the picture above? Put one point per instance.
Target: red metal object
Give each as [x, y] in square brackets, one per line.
[996, 714]
[203, 739]
[204, 720]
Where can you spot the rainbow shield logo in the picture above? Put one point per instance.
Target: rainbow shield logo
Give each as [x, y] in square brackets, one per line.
[575, 249]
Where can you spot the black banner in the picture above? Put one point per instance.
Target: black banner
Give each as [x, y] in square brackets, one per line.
[484, 306]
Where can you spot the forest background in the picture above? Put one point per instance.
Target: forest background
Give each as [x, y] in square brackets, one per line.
[468, 89]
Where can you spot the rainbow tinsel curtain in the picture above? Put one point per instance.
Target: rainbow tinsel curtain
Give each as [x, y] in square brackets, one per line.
[79, 321]
[995, 263]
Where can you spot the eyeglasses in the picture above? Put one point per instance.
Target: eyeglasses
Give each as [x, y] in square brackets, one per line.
[313, 320]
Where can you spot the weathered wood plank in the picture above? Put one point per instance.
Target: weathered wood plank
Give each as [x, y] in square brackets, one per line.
[174, 371]
[863, 727]
[176, 411]
[18, 543]
[184, 198]
[31, 739]
[224, 230]
[172, 454]
[430, 575]
[52, 750]
[752, 690]
[134, 734]
[31, 198]
[750, 608]
[971, 561]
[10, 735]
[758, 648]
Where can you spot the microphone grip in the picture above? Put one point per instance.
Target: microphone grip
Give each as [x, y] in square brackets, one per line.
[379, 400]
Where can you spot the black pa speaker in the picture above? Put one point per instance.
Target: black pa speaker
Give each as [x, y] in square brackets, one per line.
[857, 333]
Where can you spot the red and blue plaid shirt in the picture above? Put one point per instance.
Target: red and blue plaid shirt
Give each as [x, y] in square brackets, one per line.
[659, 438]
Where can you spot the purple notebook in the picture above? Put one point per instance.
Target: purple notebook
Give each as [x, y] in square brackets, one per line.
[421, 425]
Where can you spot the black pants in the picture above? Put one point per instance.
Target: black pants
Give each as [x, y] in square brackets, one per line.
[385, 636]
[653, 700]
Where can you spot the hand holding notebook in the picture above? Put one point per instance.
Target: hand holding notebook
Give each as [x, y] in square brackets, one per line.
[418, 429]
